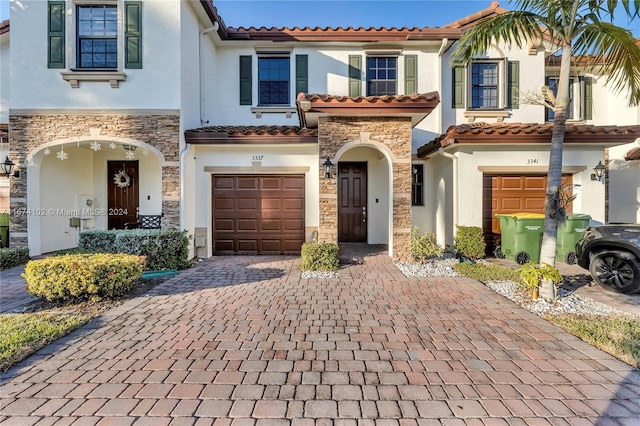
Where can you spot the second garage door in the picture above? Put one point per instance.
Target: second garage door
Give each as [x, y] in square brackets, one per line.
[258, 214]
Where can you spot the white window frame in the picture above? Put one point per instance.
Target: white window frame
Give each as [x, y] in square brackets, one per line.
[501, 86]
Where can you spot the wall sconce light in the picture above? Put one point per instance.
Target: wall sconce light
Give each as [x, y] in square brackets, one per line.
[327, 168]
[305, 105]
[8, 168]
[599, 172]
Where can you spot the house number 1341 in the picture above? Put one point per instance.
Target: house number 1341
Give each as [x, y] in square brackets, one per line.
[532, 161]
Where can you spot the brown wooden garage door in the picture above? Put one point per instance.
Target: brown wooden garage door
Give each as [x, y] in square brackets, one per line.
[258, 214]
[506, 194]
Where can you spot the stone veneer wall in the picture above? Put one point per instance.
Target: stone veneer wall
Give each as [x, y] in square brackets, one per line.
[28, 131]
[395, 134]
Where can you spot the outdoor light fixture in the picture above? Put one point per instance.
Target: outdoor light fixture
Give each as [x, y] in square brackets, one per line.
[8, 167]
[599, 172]
[327, 168]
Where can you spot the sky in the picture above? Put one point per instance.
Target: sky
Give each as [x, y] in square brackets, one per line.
[355, 13]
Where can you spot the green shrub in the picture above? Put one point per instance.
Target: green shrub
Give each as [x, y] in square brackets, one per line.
[83, 276]
[10, 257]
[163, 248]
[487, 272]
[320, 257]
[469, 241]
[98, 241]
[424, 246]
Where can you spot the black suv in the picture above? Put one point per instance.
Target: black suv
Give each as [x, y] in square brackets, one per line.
[611, 253]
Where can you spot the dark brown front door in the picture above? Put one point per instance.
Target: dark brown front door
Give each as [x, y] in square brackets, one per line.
[123, 198]
[258, 214]
[352, 202]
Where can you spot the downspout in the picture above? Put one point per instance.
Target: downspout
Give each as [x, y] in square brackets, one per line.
[443, 48]
[200, 66]
[183, 154]
[453, 158]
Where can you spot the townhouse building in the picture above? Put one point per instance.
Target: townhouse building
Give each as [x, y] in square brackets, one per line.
[258, 139]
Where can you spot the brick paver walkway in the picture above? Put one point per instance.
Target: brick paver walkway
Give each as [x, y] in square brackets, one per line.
[246, 340]
[13, 296]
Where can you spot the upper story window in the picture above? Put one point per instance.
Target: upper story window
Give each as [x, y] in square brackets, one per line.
[552, 82]
[486, 88]
[106, 37]
[382, 76]
[97, 34]
[273, 81]
[484, 85]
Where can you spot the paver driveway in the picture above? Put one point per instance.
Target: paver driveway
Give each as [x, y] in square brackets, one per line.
[246, 340]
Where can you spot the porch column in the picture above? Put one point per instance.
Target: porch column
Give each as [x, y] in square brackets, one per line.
[171, 195]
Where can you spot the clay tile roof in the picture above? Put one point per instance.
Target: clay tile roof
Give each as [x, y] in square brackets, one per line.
[415, 106]
[632, 155]
[4, 26]
[514, 133]
[359, 34]
[468, 21]
[251, 135]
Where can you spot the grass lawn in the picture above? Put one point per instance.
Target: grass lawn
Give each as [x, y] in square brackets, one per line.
[23, 334]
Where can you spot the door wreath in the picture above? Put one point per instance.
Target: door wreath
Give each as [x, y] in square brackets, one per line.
[122, 179]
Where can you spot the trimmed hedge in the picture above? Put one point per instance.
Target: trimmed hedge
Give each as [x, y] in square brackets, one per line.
[163, 248]
[320, 257]
[10, 257]
[469, 241]
[83, 276]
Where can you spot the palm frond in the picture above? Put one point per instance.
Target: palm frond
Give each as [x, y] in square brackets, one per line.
[516, 27]
[613, 50]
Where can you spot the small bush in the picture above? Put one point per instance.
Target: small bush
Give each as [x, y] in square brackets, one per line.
[469, 241]
[83, 276]
[10, 257]
[320, 257]
[487, 272]
[98, 241]
[163, 248]
[424, 246]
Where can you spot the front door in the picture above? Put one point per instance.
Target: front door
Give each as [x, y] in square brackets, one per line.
[352, 202]
[123, 199]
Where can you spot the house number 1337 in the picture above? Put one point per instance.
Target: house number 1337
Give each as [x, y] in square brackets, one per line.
[258, 157]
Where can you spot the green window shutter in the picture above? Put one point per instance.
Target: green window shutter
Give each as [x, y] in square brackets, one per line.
[410, 74]
[513, 83]
[133, 35]
[458, 87]
[302, 74]
[245, 80]
[355, 70]
[588, 98]
[56, 29]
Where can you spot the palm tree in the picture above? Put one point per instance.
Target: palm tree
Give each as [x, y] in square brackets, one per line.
[578, 28]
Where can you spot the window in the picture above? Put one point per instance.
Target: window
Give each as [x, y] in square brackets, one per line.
[552, 82]
[97, 29]
[382, 76]
[484, 85]
[417, 184]
[273, 81]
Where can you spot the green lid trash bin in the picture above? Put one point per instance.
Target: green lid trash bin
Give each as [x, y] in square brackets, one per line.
[521, 236]
[569, 232]
[4, 229]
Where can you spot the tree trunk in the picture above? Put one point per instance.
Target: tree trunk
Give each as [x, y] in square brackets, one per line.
[554, 175]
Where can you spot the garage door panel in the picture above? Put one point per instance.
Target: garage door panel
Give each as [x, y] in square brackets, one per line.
[512, 194]
[258, 214]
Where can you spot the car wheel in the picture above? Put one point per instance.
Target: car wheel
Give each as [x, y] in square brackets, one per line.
[617, 271]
